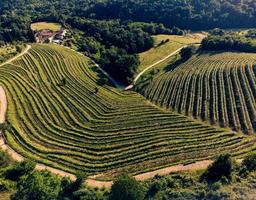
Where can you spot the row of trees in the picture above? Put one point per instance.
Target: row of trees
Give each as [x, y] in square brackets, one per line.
[229, 42]
[43, 185]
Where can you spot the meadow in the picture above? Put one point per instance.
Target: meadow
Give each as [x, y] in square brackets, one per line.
[161, 50]
[45, 25]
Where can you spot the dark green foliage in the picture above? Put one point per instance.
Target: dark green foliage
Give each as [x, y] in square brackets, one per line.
[119, 64]
[217, 31]
[5, 126]
[251, 34]
[69, 188]
[39, 185]
[126, 188]
[113, 44]
[221, 167]
[250, 162]
[88, 193]
[187, 52]
[18, 170]
[4, 160]
[114, 33]
[229, 41]
[189, 14]
[63, 82]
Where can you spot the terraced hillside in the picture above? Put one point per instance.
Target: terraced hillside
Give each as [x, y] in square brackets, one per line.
[218, 87]
[62, 117]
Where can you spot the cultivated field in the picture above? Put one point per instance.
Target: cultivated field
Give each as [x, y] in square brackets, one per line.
[61, 116]
[45, 25]
[216, 87]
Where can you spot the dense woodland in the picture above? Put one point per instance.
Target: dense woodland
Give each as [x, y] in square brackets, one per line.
[230, 41]
[189, 14]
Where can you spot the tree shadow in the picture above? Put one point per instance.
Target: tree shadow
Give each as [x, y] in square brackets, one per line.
[170, 67]
[102, 79]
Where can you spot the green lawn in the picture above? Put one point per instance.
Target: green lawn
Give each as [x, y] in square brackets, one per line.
[159, 52]
[45, 25]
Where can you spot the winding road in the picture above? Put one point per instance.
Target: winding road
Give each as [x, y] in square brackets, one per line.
[90, 180]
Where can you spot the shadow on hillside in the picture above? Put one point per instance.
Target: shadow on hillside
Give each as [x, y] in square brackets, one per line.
[102, 79]
[170, 67]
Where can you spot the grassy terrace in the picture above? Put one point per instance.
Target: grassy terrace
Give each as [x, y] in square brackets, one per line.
[161, 51]
[45, 25]
[84, 126]
[217, 87]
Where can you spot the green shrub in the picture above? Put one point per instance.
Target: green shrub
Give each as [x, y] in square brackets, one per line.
[4, 160]
[39, 185]
[127, 188]
[250, 162]
[5, 185]
[69, 188]
[187, 52]
[18, 170]
[221, 167]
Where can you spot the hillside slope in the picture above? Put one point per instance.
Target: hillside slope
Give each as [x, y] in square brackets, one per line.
[61, 115]
[217, 87]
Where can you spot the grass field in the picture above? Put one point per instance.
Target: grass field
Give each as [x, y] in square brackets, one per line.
[79, 125]
[215, 87]
[161, 51]
[45, 25]
[9, 51]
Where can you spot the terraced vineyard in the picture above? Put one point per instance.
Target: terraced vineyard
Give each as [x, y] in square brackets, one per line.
[62, 117]
[217, 87]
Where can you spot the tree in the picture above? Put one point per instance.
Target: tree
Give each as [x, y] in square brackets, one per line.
[221, 167]
[4, 159]
[250, 162]
[187, 52]
[127, 188]
[39, 185]
[69, 188]
[18, 170]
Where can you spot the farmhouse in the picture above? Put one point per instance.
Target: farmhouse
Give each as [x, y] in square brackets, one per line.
[49, 36]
